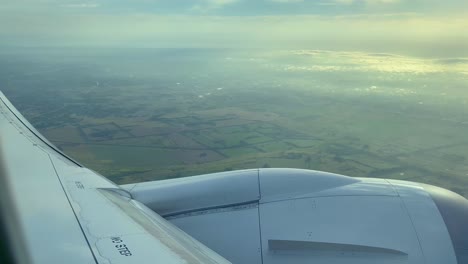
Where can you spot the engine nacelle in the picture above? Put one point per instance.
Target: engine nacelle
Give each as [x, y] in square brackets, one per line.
[302, 216]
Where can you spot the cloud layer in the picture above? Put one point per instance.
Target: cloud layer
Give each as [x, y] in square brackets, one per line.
[368, 25]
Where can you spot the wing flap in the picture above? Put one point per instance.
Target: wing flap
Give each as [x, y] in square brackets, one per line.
[70, 213]
[44, 216]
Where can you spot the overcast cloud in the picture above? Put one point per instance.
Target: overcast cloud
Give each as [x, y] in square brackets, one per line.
[419, 27]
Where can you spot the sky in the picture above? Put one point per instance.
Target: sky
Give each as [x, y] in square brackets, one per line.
[415, 27]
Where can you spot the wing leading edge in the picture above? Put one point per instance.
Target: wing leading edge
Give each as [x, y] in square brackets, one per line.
[65, 212]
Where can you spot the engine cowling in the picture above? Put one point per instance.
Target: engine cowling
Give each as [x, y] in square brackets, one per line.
[303, 216]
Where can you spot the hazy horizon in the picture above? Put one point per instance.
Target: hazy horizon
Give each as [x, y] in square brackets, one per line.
[415, 28]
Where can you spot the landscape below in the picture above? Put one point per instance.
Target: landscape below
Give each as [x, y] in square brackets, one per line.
[146, 114]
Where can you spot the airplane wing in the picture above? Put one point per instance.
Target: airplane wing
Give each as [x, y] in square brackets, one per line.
[57, 211]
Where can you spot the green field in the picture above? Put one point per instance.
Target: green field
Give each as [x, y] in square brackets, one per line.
[165, 115]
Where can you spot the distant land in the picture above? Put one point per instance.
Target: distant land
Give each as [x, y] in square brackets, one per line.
[147, 114]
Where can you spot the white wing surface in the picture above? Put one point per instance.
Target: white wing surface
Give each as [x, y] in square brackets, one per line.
[58, 211]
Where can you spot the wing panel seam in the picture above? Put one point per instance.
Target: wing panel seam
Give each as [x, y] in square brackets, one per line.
[73, 210]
